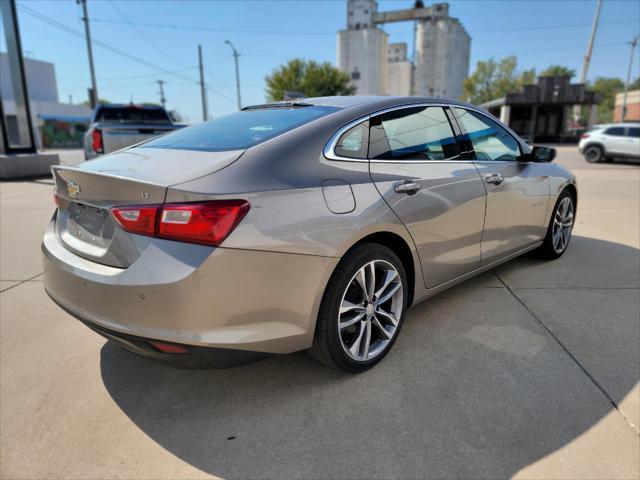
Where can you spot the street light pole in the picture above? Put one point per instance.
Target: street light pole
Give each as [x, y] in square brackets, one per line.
[235, 58]
[634, 43]
[203, 91]
[87, 31]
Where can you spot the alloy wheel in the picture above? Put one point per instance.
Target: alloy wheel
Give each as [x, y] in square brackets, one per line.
[370, 310]
[593, 154]
[562, 225]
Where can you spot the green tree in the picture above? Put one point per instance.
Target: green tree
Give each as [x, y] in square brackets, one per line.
[558, 71]
[493, 80]
[309, 77]
[606, 88]
[635, 85]
[101, 101]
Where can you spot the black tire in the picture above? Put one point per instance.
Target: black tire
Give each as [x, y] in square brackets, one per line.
[547, 250]
[594, 154]
[327, 345]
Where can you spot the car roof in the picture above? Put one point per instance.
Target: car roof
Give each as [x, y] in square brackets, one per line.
[130, 105]
[349, 101]
[626, 124]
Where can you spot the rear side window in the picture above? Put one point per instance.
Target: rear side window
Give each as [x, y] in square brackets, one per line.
[131, 115]
[239, 130]
[416, 133]
[615, 131]
[354, 142]
[490, 141]
[634, 132]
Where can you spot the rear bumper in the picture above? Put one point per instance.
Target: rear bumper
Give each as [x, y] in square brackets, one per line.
[228, 299]
[197, 357]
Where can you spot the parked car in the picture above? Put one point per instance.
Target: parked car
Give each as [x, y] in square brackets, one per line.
[297, 225]
[605, 142]
[118, 126]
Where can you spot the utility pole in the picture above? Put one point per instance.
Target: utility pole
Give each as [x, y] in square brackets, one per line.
[634, 44]
[203, 91]
[592, 39]
[235, 58]
[163, 100]
[87, 31]
[587, 58]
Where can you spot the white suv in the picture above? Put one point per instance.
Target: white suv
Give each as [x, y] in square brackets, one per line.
[605, 142]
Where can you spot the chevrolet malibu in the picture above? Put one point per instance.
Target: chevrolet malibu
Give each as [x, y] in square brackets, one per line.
[297, 225]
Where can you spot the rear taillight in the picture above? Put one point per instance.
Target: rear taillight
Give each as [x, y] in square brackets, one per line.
[207, 223]
[584, 135]
[141, 219]
[96, 141]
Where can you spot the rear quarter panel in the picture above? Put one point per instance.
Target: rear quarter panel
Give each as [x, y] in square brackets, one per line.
[283, 179]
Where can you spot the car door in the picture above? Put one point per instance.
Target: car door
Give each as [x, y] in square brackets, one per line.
[416, 166]
[614, 140]
[632, 136]
[517, 192]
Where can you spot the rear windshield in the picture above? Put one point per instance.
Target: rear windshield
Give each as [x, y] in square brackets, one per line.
[239, 130]
[131, 115]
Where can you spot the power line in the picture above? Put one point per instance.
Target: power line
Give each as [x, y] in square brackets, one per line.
[327, 33]
[284, 56]
[127, 77]
[142, 35]
[74, 32]
[210, 29]
[71, 31]
[536, 28]
[218, 80]
[505, 52]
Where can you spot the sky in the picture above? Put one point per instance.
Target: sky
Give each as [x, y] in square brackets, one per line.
[137, 42]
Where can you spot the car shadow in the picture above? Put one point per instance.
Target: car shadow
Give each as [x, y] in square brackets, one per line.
[623, 161]
[474, 387]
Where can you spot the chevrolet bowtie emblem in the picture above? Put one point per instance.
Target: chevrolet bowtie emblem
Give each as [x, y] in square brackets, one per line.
[73, 189]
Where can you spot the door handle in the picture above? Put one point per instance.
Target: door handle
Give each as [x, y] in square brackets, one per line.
[407, 187]
[494, 178]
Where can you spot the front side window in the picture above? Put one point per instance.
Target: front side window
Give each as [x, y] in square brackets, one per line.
[615, 131]
[415, 133]
[354, 142]
[490, 141]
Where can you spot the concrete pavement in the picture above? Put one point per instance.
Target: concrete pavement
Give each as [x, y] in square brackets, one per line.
[529, 371]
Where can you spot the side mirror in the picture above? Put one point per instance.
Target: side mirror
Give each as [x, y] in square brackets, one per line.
[540, 154]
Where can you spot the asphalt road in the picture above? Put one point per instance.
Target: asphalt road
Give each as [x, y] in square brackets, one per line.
[530, 371]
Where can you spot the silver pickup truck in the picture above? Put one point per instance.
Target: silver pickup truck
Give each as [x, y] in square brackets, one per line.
[117, 126]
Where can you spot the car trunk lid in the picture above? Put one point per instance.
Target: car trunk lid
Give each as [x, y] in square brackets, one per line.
[137, 176]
